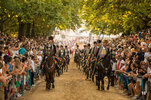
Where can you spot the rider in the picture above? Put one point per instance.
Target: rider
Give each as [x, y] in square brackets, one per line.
[67, 53]
[50, 45]
[62, 52]
[89, 49]
[47, 49]
[102, 52]
[57, 60]
[94, 49]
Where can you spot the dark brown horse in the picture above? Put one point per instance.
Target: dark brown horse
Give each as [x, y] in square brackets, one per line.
[104, 69]
[49, 71]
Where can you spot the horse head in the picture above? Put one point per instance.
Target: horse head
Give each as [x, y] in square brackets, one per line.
[107, 58]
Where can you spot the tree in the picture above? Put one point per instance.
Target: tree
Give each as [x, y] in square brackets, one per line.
[35, 17]
[117, 15]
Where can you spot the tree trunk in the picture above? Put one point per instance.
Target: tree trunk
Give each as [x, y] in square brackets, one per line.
[21, 29]
[33, 29]
[1, 25]
[52, 29]
[28, 30]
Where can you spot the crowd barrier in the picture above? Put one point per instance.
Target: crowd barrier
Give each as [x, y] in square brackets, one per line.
[28, 82]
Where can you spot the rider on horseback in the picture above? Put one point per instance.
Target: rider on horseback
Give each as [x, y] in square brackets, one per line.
[48, 62]
[62, 52]
[101, 54]
[67, 54]
[57, 59]
[77, 56]
[50, 45]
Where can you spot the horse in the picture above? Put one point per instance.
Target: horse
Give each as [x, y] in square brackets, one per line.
[67, 60]
[104, 69]
[49, 70]
[77, 60]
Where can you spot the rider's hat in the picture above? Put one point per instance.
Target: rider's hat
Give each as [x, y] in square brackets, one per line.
[94, 42]
[99, 41]
[50, 38]
[89, 44]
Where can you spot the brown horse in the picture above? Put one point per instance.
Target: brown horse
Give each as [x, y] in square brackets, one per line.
[49, 71]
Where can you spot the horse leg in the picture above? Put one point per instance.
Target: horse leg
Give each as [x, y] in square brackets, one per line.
[108, 83]
[53, 86]
[47, 81]
[49, 84]
[98, 83]
[46, 84]
[57, 67]
[96, 77]
[102, 85]
[92, 78]
[62, 69]
[87, 74]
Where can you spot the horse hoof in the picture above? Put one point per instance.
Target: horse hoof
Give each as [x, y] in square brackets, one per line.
[53, 86]
[86, 79]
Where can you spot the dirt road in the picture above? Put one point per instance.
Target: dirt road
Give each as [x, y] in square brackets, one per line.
[72, 86]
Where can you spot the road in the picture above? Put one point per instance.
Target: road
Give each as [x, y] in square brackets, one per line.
[72, 86]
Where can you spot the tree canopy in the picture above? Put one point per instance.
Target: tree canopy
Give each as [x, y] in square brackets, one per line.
[34, 17]
[115, 16]
[42, 17]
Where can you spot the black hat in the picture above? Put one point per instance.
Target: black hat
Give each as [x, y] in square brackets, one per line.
[89, 45]
[94, 42]
[85, 45]
[77, 45]
[50, 38]
[99, 41]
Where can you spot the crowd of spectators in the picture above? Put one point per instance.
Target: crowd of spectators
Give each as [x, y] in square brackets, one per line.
[131, 64]
[20, 62]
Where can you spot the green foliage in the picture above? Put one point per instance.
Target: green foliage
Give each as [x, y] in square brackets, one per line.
[117, 15]
[42, 16]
